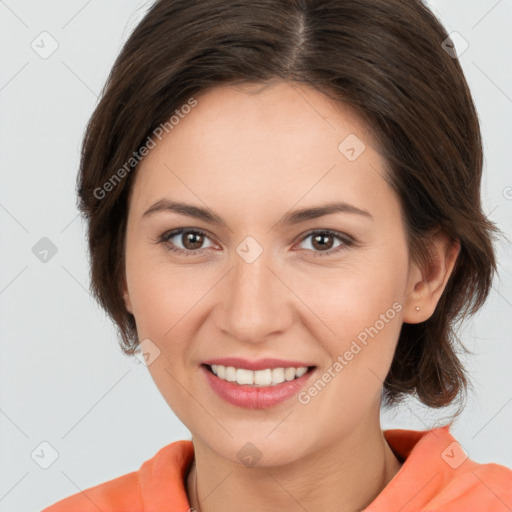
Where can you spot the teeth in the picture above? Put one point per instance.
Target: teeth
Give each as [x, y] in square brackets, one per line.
[268, 377]
[230, 374]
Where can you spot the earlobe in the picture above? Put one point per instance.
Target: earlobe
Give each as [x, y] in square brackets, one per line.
[428, 285]
[415, 296]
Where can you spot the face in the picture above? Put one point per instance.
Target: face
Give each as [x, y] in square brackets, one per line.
[328, 291]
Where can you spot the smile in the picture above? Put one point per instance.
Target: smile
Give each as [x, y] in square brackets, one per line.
[252, 389]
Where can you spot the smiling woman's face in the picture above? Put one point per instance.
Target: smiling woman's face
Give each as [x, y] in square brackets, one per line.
[259, 285]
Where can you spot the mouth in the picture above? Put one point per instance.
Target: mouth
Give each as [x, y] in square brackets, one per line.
[259, 389]
[268, 378]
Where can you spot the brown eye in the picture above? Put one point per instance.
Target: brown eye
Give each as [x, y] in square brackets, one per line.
[185, 241]
[192, 240]
[323, 242]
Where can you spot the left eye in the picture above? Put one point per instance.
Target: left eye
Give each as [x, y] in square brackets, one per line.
[321, 244]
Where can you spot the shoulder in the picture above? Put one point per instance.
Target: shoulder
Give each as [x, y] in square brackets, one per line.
[438, 475]
[158, 480]
[475, 486]
[121, 493]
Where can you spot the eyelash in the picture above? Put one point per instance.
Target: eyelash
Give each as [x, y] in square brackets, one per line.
[347, 241]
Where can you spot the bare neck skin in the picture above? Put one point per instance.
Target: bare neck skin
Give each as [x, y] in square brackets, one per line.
[347, 476]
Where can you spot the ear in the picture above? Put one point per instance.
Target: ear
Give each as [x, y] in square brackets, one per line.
[126, 297]
[426, 285]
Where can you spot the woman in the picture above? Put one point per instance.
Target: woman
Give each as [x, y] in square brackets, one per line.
[284, 221]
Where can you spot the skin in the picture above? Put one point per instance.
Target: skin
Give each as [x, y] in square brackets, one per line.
[251, 155]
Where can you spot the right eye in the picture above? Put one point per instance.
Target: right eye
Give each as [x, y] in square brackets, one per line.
[190, 237]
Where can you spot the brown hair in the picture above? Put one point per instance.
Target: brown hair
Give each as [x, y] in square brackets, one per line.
[386, 61]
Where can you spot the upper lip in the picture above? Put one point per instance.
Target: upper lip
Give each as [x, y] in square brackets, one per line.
[260, 364]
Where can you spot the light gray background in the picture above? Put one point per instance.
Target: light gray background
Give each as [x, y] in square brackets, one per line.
[63, 378]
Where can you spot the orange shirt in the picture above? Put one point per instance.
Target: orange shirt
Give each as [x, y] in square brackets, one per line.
[436, 476]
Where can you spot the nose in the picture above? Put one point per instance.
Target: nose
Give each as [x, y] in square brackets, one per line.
[256, 302]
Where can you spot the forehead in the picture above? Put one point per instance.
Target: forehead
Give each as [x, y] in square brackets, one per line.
[263, 146]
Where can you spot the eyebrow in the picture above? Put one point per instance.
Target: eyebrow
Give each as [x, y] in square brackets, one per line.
[290, 218]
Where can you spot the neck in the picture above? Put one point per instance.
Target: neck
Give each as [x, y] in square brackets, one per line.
[346, 476]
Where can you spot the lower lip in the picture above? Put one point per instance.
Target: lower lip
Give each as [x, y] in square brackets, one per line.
[255, 397]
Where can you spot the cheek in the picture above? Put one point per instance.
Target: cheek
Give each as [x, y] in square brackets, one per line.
[358, 308]
[364, 321]
[153, 305]
[160, 303]
[363, 317]
[166, 298]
